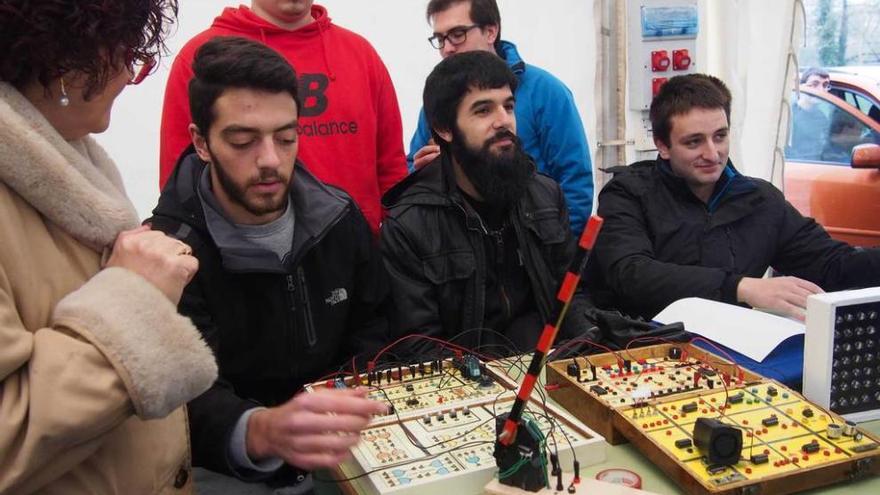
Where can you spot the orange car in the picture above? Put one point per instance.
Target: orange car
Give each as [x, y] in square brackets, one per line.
[824, 177]
[859, 86]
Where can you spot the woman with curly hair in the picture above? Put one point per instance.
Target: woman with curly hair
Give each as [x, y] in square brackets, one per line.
[95, 362]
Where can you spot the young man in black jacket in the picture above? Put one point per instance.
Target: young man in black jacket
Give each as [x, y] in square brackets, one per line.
[476, 242]
[690, 225]
[289, 283]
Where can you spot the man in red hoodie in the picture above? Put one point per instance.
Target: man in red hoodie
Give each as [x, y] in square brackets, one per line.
[350, 127]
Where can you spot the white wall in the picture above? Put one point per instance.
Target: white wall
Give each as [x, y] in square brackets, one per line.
[558, 36]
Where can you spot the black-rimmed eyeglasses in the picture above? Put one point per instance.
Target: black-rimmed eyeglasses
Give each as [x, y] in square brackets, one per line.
[456, 36]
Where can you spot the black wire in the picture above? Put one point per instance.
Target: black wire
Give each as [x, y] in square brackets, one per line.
[511, 344]
[511, 352]
[409, 435]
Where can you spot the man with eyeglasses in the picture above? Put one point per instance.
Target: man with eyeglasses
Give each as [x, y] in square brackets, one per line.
[809, 137]
[550, 127]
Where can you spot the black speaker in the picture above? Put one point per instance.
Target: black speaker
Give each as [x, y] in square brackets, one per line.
[720, 443]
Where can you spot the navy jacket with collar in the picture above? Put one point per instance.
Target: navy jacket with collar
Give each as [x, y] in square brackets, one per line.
[660, 243]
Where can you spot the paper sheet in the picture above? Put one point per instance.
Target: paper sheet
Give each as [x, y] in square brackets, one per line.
[747, 331]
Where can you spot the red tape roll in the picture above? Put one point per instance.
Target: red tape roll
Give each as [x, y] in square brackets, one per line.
[620, 476]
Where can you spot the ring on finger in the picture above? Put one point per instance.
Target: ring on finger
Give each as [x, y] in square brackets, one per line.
[184, 249]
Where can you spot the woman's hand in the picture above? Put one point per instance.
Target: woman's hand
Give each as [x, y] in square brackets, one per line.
[164, 261]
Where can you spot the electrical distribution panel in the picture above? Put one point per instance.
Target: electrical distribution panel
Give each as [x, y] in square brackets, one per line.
[661, 44]
[842, 352]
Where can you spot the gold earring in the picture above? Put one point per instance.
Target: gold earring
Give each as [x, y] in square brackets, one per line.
[64, 100]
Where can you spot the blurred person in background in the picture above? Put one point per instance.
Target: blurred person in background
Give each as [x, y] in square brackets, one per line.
[95, 361]
[810, 135]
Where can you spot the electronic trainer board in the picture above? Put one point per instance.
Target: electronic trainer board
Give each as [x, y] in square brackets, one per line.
[712, 426]
[439, 435]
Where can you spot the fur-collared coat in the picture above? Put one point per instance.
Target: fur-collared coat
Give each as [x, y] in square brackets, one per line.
[95, 364]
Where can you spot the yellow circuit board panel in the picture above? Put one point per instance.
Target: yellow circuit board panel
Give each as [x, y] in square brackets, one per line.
[655, 397]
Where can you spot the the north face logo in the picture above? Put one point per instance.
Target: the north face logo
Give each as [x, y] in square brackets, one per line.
[336, 296]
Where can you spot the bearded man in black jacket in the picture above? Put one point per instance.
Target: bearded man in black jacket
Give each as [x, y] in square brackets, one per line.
[688, 224]
[476, 242]
[289, 283]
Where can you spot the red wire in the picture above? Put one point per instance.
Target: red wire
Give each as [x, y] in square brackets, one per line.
[329, 376]
[647, 339]
[443, 343]
[720, 350]
[571, 343]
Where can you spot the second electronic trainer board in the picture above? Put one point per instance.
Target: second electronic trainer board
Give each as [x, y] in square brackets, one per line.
[439, 436]
[677, 402]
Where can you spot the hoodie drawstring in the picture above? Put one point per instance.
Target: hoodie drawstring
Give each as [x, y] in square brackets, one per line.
[330, 73]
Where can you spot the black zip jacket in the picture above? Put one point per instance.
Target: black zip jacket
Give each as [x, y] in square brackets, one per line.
[433, 245]
[660, 243]
[273, 327]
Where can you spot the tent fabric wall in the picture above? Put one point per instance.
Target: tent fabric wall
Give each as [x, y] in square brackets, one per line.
[751, 55]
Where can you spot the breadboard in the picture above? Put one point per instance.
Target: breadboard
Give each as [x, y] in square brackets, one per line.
[426, 389]
[444, 443]
[658, 416]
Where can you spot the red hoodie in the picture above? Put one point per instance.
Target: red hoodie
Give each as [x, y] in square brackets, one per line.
[350, 128]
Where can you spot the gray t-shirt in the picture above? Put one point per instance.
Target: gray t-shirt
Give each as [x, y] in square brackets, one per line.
[275, 236]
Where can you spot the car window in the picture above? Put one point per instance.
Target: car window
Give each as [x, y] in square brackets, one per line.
[823, 132]
[865, 104]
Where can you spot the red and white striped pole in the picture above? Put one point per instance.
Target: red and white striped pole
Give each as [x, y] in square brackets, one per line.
[551, 328]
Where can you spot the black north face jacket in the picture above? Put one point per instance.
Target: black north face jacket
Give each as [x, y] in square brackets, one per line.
[433, 246]
[273, 327]
[660, 243]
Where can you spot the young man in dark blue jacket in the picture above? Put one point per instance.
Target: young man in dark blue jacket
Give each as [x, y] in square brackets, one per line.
[548, 123]
[289, 284]
[476, 242]
[688, 224]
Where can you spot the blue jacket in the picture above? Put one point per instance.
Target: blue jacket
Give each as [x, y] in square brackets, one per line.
[551, 131]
